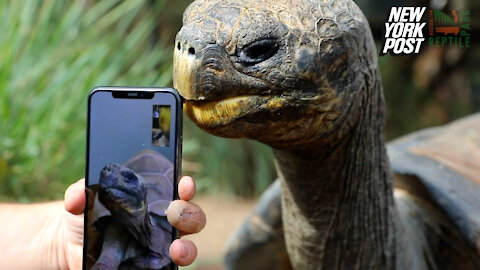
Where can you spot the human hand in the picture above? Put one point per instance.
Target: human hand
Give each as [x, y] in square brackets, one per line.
[186, 216]
[70, 235]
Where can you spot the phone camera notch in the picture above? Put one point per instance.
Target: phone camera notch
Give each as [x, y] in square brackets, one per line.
[133, 94]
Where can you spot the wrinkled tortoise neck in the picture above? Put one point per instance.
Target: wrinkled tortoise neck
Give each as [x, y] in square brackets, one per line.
[338, 208]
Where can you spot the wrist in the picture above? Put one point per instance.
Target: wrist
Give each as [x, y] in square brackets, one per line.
[50, 242]
[29, 235]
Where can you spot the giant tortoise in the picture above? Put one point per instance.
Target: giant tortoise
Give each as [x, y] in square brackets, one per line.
[301, 76]
[129, 228]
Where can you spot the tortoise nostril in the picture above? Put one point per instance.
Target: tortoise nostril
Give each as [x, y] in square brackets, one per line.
[178, 46]
[191, 51]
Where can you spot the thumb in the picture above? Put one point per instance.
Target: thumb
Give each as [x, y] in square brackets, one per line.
[75, 197]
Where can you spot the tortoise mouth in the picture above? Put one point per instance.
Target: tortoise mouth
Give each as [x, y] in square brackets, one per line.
[124, 199]
[114, 192]
[212, 113]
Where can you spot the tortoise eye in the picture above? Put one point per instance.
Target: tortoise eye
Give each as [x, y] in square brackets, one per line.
[129, 176]
[258, 51]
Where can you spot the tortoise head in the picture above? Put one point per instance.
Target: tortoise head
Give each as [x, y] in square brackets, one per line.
[283, 72]
[124, 194]
[122, 191]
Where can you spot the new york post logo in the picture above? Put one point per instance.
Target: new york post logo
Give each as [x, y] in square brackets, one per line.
[404, 31]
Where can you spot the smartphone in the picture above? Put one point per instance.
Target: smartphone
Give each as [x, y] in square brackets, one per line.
[134, 140]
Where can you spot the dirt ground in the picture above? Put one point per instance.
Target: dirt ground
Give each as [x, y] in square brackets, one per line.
[224, 216]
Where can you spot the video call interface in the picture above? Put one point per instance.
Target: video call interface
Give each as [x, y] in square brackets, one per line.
[131, 179]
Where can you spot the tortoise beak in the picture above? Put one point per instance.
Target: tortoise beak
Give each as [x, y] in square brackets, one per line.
[186, 64]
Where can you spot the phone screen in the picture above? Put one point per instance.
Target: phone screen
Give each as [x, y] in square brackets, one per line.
[131, 179]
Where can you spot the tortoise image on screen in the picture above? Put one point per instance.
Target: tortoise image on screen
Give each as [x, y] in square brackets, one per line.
[130, 229]
[301, 76]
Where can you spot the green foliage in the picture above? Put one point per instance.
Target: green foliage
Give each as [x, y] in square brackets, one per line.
[430, 89]
[51, 54]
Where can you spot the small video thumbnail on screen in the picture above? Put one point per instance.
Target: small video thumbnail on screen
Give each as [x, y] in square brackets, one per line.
[161, 125]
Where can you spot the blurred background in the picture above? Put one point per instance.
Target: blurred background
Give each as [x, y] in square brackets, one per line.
[52, 53]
